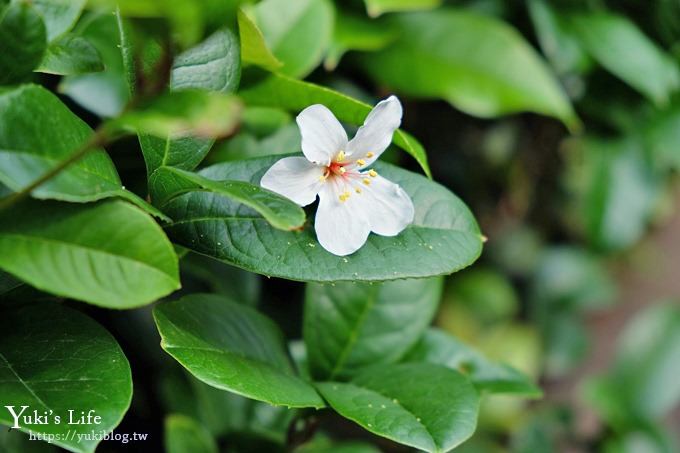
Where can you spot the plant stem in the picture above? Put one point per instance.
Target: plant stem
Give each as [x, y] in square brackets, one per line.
[99, 138]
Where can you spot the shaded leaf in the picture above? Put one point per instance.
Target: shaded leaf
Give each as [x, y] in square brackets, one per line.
[53, 358]
[348, 326]
[443, 238]
[185, 435]
[377, 7]
[23, 40]
[110, 254]
[425, 406]
[232, 347]
[59, 15]
[213, 65]
[356, 33]
[69, 55]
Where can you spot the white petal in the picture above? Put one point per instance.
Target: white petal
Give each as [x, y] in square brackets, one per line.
[339, 228]
[295, 178]
[376, 133]
[388, 208]
[322, 134]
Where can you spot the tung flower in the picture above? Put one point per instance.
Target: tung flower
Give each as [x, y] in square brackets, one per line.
[353, 199]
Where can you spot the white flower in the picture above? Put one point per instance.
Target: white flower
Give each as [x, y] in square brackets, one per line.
[354, 200]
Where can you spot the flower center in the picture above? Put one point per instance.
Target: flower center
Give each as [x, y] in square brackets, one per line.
[347, 179]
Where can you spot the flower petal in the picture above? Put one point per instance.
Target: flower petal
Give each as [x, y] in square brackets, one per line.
[295, 178]
[388, 208]
[322, 134]
[339, 228]
[376, 133]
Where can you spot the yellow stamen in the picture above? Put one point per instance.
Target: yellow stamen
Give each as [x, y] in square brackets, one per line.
[340, 157]
[369, 155]
[361, 162]
[344, 196]
[358, 190]
[367, 181]
[342, 170]
[373, 173]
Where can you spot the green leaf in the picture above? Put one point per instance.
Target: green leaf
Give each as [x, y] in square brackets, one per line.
[167, 183]
[356, 33]
[59, 15]
[232, 347]
[348, 326]
[110, 254]
[438, 347]
[103, 93]
[297, 31]
[213, 65]
[182, 113]
[425, 406]
[377, 7]
[53, 358]
[69, 55]
[618, 45]
[322, 444]
[37, 133]
[477, 63]
[23, 40]
[185, 435]
[276, 90]
[254, 49]
[443, 238]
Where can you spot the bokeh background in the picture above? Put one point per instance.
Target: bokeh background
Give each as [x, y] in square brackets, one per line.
[578, 282]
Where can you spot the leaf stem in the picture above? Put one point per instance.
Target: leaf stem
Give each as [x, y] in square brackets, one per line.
[99, 138]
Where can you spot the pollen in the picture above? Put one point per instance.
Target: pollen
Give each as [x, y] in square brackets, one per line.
[342, 170]
[361, 162]
[373, 173]
[367, 181]
[340, 157]
[369, 155]
[344, 196]
[358, 190]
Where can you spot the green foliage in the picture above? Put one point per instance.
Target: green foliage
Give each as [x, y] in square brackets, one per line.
[110, 254]
[443, 238]
[69, 55]
[79, 361]
[23, 40]
[184, 435]
[478, 64]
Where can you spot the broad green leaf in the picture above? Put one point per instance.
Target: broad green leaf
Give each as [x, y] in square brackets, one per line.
[232, 347]
[185, 435]
[254, 49]
[167, 183]
[348, 326]
[377, 7]
[59, 15]
[276, 90]
[425, 406]
[110, 254]
[438, 347]
[69, 55]
[53, 358]
[618, 45]
[661, 134]
[23, 41]
[323, 444]
[181, 113]
[477, 63]
[444, 237]
[103, 93]
[14, 441]
[213, 65]
[356, 33]
[38, 132]
[297, 31]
